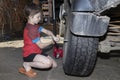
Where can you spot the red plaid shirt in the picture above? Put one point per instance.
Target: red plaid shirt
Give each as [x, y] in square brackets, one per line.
[31, 32]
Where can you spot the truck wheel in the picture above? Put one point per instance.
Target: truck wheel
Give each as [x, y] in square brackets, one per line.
[80, 55]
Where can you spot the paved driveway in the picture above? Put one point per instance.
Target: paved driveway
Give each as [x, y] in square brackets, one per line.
[11, 60]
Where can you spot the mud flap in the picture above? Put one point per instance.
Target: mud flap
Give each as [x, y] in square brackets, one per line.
[88, 24]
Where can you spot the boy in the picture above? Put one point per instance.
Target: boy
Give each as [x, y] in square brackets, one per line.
[33, 45]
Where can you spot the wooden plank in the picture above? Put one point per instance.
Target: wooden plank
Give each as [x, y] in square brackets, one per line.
[117, 34]
[115, 22]
[115, 27]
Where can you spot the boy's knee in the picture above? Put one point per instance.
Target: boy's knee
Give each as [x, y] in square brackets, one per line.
[49, 63]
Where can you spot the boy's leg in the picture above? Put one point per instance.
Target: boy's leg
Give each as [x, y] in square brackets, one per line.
[27, 66]
[41, 61]
[27, 70]
[53, 61]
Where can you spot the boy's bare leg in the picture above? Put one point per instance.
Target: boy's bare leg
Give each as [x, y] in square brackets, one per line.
[53, 62]
[39, 61]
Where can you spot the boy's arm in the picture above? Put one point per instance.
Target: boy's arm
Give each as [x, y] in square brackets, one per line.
[48, 32]
[43, 43]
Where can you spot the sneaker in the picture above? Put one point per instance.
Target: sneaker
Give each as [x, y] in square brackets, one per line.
[30, 73]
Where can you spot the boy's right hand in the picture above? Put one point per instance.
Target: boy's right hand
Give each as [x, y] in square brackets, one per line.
[57, 38]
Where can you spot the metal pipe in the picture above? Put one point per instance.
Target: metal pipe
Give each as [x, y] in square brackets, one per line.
[115, 48]
[54, 19]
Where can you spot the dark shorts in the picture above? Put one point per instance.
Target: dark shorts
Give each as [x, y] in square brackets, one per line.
[31, 57]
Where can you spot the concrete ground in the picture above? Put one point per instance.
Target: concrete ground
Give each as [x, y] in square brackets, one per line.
[11, 60]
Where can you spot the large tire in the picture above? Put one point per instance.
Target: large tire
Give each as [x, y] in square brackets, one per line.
[79, 55]
[80, 52]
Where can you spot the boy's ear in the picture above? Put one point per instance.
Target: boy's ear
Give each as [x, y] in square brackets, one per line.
[30, 17]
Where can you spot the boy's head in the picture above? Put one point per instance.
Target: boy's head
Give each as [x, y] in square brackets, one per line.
[33, 13]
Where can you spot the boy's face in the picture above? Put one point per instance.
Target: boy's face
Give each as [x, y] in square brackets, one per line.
[36, 18]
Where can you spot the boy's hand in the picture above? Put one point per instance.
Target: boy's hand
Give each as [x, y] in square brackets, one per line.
[57, 38]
